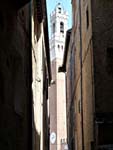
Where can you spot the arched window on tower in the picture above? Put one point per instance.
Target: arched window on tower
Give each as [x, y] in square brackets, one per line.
[59, 10]
[53, 27]
[61, 27]
[58, 47]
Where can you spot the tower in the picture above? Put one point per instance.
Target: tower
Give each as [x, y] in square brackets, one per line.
[57, 93]
[59, 26]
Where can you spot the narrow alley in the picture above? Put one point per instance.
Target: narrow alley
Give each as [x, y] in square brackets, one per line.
[56, 75]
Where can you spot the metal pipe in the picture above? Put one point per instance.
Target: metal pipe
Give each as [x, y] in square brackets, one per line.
[82, 126]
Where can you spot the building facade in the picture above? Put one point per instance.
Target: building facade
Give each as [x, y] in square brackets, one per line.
[84, 87]
[57, 96]
[41, 71]
[103, 76]
[15, 75]
[92, 36]
[68, 67]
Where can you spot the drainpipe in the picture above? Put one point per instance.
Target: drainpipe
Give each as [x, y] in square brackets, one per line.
[82, 126]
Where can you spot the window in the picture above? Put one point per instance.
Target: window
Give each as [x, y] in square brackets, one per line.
[79, 106]
[59, 10]
[87, 18]
[62, 47]
[110, 60]
[58, 47]
[61, 27]
[53, 27]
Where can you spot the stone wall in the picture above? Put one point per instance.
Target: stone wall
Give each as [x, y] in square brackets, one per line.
[102, 26]
[83, 75]
[103, 57]
[15, 77]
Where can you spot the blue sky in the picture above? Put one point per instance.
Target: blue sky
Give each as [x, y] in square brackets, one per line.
[67, 6]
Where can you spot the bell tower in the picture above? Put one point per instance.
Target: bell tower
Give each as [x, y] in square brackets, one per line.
[57, 91]
[59, 26]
